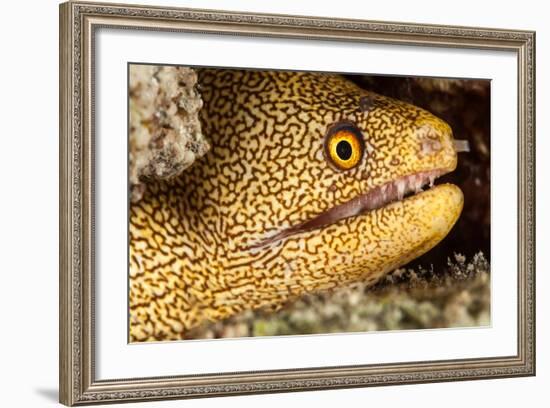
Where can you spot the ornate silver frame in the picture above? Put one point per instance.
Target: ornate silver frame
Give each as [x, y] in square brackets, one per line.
[78, 22]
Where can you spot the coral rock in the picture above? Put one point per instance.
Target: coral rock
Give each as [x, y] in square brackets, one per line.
[165, 131]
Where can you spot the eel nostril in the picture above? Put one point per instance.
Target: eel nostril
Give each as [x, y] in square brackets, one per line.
[461, 145]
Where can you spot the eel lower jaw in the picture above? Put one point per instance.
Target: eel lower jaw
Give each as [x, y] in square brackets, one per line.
[376, 198]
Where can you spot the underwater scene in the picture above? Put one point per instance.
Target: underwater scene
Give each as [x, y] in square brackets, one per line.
[265, 203]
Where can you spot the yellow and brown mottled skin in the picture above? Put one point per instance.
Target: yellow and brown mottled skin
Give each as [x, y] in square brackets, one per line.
[194, 253]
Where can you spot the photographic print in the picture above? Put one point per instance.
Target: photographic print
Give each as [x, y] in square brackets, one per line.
[260, 218]
[266, 203]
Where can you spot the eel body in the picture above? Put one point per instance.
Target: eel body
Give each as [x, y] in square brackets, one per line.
[311, 183]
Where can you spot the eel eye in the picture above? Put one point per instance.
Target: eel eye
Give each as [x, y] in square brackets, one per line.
[344, 145]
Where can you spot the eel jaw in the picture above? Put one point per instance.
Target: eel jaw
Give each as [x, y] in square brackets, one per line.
[376, 198]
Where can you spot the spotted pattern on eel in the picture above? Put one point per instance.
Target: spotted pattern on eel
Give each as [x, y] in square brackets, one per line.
[231, 234]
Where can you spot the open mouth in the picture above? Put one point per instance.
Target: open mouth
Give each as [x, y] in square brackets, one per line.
[378, 197]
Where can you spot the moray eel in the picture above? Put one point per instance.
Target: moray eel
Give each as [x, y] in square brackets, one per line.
[311, 183]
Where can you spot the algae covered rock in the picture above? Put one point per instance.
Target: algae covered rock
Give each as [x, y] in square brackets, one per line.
[165, 131]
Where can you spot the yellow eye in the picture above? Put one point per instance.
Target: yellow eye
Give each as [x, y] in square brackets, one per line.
[344, 145]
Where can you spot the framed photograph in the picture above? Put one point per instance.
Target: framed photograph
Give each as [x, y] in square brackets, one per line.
[256, 203]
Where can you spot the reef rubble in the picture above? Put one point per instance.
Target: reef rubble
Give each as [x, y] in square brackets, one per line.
[165, 132]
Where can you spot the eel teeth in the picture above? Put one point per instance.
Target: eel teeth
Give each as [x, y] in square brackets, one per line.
[384, 190]
[401, 186]
[418, 184]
